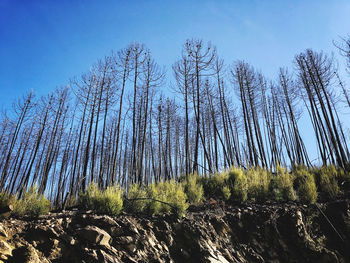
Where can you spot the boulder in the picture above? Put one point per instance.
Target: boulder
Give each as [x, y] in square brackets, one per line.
[94, 235]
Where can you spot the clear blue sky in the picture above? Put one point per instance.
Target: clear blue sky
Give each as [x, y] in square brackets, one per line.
[43, 43]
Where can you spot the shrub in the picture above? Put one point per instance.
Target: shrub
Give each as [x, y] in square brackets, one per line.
[343, 176]
[326, 180]
[282, 185]
[171, 196]
[238, 184]
[107, 201]
[226, 192]
[258, 181]
[111, 201]
[71, 201]
[4, 199]
[193, 188]
[32, 204]
[135, 191]
[87, 200]
[214, 185]
[305, 185]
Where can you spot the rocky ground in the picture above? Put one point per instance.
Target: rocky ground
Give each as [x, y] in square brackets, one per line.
[214, 232]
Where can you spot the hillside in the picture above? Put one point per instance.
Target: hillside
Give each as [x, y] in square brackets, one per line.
[212, 232]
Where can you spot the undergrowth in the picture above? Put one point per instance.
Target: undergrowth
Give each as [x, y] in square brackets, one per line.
[237, 184]
[108, 201]
[32, 204]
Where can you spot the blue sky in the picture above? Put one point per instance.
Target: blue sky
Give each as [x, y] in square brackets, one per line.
[44, 43]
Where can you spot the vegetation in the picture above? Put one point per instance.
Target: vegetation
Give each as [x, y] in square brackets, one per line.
[327, 180]
[4, 199]
[305, 185]
[109, 201]
[216, 185]
[32, 204]
[166, 197]
[193, 188]
[238, 184]
[137, 199]
[283, 181]
[258, 181]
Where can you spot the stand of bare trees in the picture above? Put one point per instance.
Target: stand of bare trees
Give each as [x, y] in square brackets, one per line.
[118, 123]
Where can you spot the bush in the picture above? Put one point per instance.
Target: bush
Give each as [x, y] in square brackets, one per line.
[214, 185]
[88, 200]
[107, 201]
[238, 183]
[193, 188]
[171, 196]
[32, 204]
[305, 185]
[326, 180]
[282, 185]
[226, 193]
[135, 191]
[258, 181]
[4, 199]
[343, 176]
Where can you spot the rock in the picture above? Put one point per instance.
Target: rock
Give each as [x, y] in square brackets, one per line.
[27, 254]
[68, 239]
[94, 235]
[3, 232]
[5, 248]
[258, 233]
[125, 240]
[6, 209]
[106, 258]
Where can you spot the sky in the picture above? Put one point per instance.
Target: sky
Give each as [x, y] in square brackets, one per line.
[44, 43]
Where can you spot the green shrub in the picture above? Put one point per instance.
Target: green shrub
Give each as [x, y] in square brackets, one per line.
[87, 200]
[71, 201]
[226, 193]
[135, 191]
[107, 201]
[258, 181]
[111, 201]
[171, 196]
[343, 176]
[193, 188]
[305, 185]
[32, 204]
[326, 180]
[214, 185]
[238, 183]
[4, 199]
[282, 185]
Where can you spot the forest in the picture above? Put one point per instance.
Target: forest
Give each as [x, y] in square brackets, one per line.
[123, 122]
